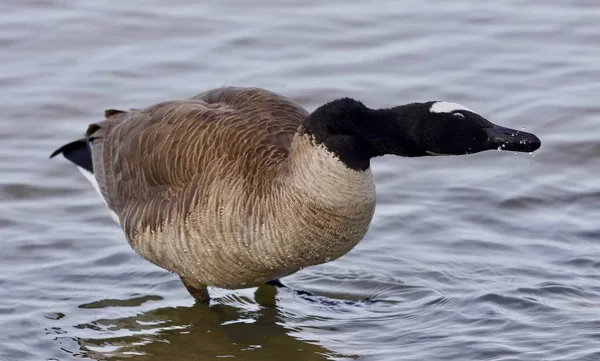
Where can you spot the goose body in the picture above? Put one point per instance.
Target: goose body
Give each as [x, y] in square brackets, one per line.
[236, 187]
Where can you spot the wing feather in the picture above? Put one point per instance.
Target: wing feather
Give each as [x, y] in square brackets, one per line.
[155, 163]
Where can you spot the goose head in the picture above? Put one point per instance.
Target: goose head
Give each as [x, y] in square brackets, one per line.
[356, 133]
[452, 129]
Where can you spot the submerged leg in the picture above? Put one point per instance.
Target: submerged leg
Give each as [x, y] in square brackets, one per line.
[277, 283]
[322, 299]
[198, 291]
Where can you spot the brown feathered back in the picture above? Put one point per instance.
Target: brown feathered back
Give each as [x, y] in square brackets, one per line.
[152, 154]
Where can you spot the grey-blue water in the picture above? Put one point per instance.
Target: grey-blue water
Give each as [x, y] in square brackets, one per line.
[492, 256]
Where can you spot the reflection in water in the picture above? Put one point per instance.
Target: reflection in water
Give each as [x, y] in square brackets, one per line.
[234, 326]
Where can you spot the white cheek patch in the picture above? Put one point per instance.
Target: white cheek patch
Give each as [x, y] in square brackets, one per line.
[436, 154]
[447, 107]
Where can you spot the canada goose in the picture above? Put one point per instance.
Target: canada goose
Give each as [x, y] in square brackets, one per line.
[237, 187]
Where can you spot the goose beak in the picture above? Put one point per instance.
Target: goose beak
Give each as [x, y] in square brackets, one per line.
[510, 139]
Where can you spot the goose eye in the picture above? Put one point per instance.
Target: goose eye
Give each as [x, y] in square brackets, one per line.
[460, 115]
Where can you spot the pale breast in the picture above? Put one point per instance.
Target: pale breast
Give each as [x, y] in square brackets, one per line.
[334, 204]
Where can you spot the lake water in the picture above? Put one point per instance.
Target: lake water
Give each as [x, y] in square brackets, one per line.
[492, 256]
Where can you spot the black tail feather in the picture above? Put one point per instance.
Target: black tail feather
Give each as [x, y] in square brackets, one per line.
[78, 152]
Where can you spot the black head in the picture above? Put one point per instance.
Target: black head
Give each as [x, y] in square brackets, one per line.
[446, 128]
[356, 133]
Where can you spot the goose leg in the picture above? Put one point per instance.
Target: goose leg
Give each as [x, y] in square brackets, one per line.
[310, 296]
[198, 291]
[277, 283]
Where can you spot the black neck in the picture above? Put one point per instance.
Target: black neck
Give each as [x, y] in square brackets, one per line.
[356, 133]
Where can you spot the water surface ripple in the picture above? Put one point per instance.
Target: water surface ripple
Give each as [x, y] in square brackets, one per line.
[493, 256]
